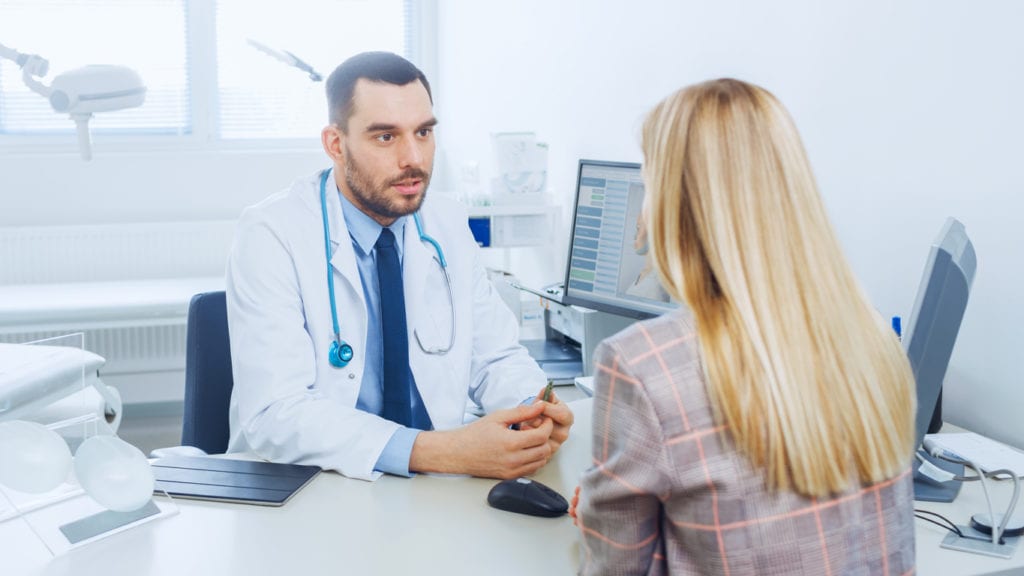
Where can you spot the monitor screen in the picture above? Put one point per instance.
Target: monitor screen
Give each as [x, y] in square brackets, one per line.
[608, 267]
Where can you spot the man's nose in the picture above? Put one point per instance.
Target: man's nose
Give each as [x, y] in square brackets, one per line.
[411, 154]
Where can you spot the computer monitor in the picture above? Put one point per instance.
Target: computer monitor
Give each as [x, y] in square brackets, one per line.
[934, 324]
[608, 267]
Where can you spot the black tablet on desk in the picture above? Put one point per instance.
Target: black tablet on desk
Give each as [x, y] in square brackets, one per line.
[226, 480]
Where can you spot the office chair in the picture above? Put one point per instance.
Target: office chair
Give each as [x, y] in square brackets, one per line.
[208, 379]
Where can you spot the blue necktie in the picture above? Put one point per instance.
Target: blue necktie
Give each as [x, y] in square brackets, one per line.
[402, 402]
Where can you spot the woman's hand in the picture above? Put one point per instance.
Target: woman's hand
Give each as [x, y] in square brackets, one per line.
[572, 506]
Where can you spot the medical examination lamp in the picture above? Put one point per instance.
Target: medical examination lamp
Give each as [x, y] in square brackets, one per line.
[81, 92]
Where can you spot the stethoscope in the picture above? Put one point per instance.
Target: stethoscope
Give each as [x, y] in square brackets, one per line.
[341, 352]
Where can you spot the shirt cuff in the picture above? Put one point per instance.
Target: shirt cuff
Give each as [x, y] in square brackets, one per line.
[394, 459]
[526, 402]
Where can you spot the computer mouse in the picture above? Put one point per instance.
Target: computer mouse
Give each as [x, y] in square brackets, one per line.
[525, 496]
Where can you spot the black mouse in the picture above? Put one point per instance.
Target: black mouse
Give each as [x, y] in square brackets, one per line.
[527, 496]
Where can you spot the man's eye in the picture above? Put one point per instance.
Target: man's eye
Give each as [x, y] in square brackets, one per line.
[385, 138]
[424, 132]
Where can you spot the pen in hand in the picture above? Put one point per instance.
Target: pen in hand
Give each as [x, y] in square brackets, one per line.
[546, 396]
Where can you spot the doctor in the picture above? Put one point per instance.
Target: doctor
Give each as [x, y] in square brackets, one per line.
[362, 322]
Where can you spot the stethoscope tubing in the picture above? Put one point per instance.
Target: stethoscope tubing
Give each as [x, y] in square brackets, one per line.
[338, 342]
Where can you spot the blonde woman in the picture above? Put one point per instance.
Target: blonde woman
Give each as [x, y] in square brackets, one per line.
[767, 428]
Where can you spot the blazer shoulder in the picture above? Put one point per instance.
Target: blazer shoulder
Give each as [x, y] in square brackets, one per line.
[654, 332]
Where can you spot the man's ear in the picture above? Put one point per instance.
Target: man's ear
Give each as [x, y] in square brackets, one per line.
[333, 140]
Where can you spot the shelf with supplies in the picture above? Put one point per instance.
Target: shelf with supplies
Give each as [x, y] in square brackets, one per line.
[511, 225]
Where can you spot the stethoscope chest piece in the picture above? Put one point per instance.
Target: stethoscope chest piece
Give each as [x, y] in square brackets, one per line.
[340, 354]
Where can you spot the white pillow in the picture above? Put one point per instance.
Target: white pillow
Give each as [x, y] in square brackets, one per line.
[33, 376]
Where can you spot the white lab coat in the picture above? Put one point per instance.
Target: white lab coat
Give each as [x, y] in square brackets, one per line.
[289, 404]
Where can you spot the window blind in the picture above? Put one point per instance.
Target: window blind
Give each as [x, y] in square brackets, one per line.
[148, 36]
[249, 96]
[261, 97]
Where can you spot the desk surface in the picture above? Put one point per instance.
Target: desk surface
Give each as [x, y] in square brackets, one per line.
[424, 525]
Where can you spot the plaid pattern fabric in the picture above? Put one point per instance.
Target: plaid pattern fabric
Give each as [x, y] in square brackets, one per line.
[669, 494]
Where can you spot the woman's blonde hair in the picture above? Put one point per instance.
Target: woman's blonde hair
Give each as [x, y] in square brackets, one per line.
[811, 384]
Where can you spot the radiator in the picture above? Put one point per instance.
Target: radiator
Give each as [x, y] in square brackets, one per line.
[99, 252]
[127, 350]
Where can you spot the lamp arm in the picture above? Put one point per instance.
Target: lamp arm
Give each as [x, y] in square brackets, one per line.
[11, 54]
[35, 85]
[32, 66]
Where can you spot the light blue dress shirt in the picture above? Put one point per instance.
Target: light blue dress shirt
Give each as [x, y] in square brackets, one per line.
[364, 231]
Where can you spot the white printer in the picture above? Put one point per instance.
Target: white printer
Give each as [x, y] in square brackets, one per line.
[571, 334]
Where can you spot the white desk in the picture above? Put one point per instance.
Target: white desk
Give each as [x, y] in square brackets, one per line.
[423, 525]
[933, 559]
[426, 525]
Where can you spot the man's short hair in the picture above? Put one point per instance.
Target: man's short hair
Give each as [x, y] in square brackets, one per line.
[381, 67]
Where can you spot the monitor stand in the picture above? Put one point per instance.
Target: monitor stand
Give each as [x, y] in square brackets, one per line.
[928, 490]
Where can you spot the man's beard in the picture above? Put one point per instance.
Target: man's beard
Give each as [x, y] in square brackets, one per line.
[373, 196]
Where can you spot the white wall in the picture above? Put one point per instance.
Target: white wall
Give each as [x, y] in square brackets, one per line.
[120, 185]
[911, 112]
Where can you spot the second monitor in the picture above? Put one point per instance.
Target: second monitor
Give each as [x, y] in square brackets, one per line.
[608, 268]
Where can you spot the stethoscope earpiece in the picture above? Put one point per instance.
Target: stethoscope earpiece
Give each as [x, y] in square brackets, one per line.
[340, 354]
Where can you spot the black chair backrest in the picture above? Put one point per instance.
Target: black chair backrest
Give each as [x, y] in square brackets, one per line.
[208, 379]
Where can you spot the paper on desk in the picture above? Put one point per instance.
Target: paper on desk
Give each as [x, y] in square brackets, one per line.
[986, 453]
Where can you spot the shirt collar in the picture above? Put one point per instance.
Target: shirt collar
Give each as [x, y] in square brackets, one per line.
[365, 230]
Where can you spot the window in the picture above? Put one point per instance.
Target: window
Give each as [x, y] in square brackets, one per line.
[145, 35]
[206, 83]
[260, 97]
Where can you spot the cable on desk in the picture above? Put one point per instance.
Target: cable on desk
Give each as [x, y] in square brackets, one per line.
[997, 530]
[951, 526]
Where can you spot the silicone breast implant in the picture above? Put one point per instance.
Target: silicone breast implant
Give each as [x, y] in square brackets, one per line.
[33, 458]
[114, 473]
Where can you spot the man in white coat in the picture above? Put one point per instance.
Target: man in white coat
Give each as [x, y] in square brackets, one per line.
[379, 389]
